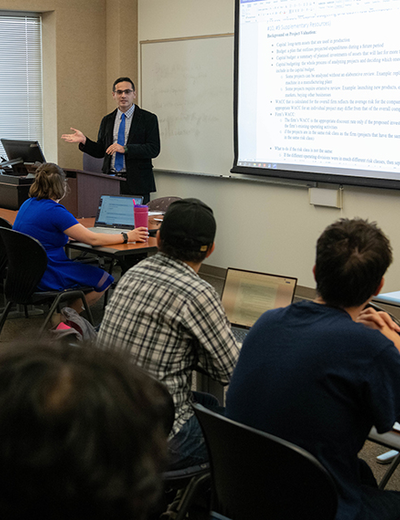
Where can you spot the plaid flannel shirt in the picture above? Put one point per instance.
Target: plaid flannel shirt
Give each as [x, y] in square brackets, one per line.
[171, 320]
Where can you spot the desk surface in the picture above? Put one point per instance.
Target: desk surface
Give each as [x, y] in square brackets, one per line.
[117, 250]
[8, 214]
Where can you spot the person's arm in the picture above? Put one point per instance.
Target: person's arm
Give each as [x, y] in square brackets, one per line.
[82, 234]
[93, 148]
[217, 349]
[381, 321]
[76, 137]
[115, 147]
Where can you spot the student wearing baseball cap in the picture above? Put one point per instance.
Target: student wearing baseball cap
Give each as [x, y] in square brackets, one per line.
[172, 320]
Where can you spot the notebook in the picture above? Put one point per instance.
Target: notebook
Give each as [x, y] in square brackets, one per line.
[115, 213]
[248, 294]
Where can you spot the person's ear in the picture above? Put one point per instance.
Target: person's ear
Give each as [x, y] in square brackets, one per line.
[313, 270]
[379, 286]
[210, 250]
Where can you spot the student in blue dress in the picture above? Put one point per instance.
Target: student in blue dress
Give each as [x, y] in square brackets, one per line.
[42, 217]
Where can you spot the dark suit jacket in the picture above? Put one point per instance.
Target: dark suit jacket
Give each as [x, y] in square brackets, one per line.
[143, 144]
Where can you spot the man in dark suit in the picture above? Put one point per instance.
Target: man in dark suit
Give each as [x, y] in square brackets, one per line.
[128, 139]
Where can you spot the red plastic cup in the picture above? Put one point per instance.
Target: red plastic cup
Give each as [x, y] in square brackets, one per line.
[141, 216]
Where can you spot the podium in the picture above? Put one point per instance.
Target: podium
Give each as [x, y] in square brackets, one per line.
[85, 190]
[82, 200]
[14, 190]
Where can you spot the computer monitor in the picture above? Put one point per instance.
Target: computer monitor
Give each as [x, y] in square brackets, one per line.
[28, 151]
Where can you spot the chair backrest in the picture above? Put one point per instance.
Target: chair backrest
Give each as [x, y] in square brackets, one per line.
[162, 203]
[3, 255]
[91, 164]
[27, 262]
[5, 223]
[258, 475]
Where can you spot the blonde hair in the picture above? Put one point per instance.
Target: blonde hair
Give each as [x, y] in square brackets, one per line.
[49, 183]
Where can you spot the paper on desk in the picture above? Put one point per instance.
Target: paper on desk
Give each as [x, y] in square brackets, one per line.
[396, 426]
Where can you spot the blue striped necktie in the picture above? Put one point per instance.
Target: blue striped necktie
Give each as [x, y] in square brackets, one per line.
[119, 157]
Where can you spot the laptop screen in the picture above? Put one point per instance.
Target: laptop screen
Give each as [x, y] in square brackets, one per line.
[117, 210]
[247, 294]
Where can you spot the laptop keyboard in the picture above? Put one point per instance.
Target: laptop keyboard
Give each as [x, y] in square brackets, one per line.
[239, 334]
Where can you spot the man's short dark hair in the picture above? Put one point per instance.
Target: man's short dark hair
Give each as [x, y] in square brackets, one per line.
[352, 257]
[82, 434]
[120, 80]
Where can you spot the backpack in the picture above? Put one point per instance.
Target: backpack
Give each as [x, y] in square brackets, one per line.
[75, 325]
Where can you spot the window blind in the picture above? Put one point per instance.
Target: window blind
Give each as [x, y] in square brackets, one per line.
[20, 77]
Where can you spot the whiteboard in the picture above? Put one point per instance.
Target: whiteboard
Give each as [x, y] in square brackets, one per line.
[188, 84]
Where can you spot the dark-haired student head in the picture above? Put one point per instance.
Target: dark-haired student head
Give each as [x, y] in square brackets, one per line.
[83, 434]
[351, 259]
[50, 182]
[188, 230]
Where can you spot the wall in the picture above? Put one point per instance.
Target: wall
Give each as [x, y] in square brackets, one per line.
[86, 46]
[261, 226]
[121, 44]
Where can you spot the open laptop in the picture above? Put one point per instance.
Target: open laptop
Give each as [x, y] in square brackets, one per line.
[115, 213]
[248, 294]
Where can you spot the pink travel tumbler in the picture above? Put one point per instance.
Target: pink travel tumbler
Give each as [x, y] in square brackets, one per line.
[141, 215]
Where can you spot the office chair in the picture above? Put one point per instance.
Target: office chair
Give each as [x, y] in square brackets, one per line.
[161, 204]
[191, 481]
[258, 475]
[3, 256]
[26, 264]
[91, 164]
[217, 516]
[5, 223]
[389, 472]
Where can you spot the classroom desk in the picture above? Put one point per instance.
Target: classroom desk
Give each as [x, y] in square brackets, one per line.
[116, 251]
[389, 439]
[8, 214]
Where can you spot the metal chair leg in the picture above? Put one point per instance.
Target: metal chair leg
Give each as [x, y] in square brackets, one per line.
[189, 494]
[4, 315]
[389, 472]
[63, 296]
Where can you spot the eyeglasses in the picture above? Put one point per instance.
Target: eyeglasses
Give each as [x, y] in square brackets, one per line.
[120, 92]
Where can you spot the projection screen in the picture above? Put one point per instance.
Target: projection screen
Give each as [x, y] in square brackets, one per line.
[317, 90]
